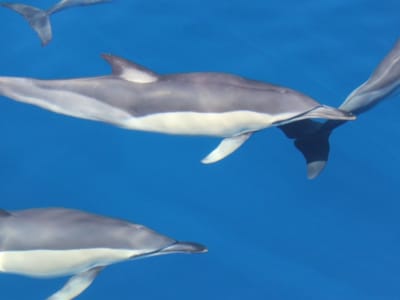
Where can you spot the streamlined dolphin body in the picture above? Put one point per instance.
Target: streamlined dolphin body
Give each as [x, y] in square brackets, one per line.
[312, 138]
[39, 19]
[52, 242]
[208, 104]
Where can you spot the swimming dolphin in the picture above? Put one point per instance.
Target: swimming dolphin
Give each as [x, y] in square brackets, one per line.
[53, 242]
[39, 19]
[208, 104]
[312, 138]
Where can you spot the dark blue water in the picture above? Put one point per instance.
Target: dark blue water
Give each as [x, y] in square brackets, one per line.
[271, 233]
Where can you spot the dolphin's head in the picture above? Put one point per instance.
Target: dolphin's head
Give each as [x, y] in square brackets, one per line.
[151, 243]
[144, 239]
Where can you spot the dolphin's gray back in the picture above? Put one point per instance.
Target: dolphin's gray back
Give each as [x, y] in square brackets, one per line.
[220, 92]
[191, 92]
[66, 229]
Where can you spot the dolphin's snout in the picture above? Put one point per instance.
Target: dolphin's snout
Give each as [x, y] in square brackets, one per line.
[330, 113]
[185, 247]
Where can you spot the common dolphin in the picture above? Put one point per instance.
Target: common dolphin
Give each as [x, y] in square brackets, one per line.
[53, 242]
[208, 104]
[312, 138]
[39, 19]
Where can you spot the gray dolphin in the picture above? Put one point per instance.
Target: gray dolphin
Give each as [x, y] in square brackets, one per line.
[312, 138]
[52, 242]
[208, 104]
[39, 19]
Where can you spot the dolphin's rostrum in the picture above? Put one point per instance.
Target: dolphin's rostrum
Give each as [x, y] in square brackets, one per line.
[39, 19]
[208, 104]
[312, 138]
[52, 242]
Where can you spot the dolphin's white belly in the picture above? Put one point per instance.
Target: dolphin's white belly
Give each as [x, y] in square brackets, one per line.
[53, 263]
[209, 124]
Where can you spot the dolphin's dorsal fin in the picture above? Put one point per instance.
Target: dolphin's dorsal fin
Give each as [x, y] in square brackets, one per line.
[4, 213]
[129, 70]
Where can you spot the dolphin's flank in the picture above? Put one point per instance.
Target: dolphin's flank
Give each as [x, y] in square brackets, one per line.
[53, 242]
[207, 104]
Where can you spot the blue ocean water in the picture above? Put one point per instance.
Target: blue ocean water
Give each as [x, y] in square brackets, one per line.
[271, 233]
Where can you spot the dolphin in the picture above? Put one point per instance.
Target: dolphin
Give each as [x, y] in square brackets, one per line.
[53, 242]
[39, 19]
[206, 104]
[312, 138]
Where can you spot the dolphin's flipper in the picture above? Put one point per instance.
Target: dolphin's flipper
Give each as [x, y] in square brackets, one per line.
[38, 19]
[226, 147]
[76, 285]
[64, 4]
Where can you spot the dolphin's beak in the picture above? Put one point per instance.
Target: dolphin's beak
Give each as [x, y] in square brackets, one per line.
[184, 247]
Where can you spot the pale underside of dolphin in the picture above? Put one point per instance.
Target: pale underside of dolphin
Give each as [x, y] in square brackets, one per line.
[207, 104]
[312, 138]
[39, 19]
[53, 242]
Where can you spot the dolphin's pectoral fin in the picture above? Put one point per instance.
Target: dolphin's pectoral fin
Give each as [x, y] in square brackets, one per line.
[129, 70]
[225, 148]
[76, 285]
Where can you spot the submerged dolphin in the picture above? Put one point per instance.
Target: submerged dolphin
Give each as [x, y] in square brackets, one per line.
[209, 104]
[312, 138]
[39, 19]
[52, 242]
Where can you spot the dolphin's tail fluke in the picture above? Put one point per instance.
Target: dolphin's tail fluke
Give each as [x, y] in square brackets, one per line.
[315, 149]
[38, 19]
[311, 138]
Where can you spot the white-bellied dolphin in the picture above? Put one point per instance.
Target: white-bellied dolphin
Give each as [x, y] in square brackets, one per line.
[39, 19]
[208, 104]
[53, 242]
[312, 138]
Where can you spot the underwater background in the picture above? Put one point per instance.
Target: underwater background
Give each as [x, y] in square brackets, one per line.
[271, 233]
